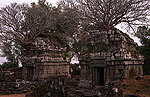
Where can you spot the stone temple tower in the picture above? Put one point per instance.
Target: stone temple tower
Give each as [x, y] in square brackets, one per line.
[47, 59]
[112, 56]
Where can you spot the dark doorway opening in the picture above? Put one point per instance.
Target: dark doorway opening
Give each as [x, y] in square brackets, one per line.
[100, 76]
[30, 73]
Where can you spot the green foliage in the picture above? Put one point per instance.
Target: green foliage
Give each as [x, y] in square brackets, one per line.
[100, 48]
[38, 20]
[55, 37]
[7, 65]
[145, 51]
[143, 34]
[68, 55]
[13, 54]
[89, 48]
[62, 41]
[53, 22]
[74, 66]
[42, 88]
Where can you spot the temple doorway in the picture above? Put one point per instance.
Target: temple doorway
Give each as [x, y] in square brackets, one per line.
[99, 76]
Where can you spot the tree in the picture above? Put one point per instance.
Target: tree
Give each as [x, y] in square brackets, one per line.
[11, 19]
[22, 24]
[13, 54]
[103, 15]
[106, 14]
[9, 53]
[143, 33]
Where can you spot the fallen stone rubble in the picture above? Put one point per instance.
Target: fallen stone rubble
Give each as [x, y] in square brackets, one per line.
[10, 85]
[61, 86]
[57, 87]
[13, 88]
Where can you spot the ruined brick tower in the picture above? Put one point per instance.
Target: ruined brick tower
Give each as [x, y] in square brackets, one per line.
[112, 57]
[47, 59]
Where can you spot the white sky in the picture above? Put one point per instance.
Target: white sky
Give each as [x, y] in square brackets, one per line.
[7, 2]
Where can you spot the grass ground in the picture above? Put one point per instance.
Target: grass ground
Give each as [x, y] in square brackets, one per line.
[140, 86]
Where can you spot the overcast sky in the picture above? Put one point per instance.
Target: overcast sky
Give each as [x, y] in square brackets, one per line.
[7, 2]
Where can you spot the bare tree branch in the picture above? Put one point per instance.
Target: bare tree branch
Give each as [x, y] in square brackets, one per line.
[11, 19]
[106, 14]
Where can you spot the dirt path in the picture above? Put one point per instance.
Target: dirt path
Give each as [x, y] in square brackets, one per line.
[15, 95]
[140, 86]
